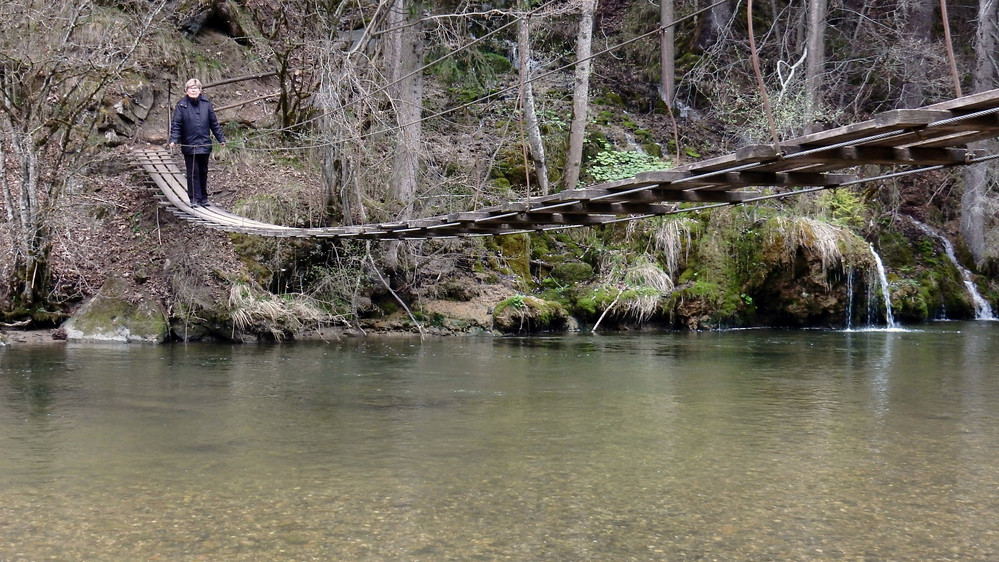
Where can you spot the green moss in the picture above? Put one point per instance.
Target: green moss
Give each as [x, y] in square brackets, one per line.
[687, 276]
[109, 315]
[599, 299]
[471, 73]
[515, 249]
[522, 313]
[540, 248]
[572, 272]
[604, 117]
[255, 252]
[653, 149]
[613, 98]
[501, 184]
[843, 207]
[909, 302]
[704, 290]
[895, 249]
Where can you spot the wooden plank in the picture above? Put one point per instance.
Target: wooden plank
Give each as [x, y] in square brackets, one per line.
[970, 102]
[953, 134]
[712, 196]
[889, 156]
[889, 122]
[616, 208]
[532, 220]
[735, 180]
[642, 179]
[746, 155]
[908, 118]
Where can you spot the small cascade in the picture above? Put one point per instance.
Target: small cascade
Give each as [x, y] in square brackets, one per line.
[849, 299]
[982, 309]
[889, 317]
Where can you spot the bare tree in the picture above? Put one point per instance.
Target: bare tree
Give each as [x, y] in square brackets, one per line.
[580, 95]
[527, 102]
[287, 26]
[57, 61]
[344, 98]
[404, 56]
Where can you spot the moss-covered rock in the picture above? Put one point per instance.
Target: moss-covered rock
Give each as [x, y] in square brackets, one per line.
[116, 315]
[572, 272]
[524, 314]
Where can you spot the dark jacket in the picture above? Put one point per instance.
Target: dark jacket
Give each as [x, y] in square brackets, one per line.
[193, 124]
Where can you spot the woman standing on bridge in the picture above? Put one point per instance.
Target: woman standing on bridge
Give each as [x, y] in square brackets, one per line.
[192, 126]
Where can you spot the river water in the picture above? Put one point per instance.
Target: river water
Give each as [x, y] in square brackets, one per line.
[738, 445]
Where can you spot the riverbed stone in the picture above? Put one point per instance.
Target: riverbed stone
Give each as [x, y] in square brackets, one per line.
[117, 315]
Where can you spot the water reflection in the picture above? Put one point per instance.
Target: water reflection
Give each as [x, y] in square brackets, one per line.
[736, 445]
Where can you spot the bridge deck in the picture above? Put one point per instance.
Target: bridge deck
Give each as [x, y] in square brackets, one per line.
[932, 136]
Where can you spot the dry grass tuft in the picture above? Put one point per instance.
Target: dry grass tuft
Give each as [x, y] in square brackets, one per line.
[253, 311]
[672, 240]
[787, 235]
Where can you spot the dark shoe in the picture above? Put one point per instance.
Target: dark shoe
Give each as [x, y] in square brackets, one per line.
[194, 205]
[206, 204]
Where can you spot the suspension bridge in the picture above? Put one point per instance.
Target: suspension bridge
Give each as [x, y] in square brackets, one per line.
[891, 144]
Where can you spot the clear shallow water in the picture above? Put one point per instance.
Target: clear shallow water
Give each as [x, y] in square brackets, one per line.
[726, 445]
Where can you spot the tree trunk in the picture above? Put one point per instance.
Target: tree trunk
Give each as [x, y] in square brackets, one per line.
[32, 245]
[405, 56]
[919, 25]
[816, 59]
[530, 114]
[580, 95]
[975, 178]
[667, 53]
[8, 196]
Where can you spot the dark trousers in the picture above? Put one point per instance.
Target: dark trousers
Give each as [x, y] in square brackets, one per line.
[197, 177]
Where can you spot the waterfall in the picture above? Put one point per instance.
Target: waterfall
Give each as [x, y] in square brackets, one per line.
[982, 309]
[849, 299]
[889, 317]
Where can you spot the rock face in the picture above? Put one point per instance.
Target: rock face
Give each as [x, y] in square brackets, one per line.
[128, 110]
[114, 316]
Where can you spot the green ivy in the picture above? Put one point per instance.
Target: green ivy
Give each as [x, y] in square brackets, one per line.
[609, 164]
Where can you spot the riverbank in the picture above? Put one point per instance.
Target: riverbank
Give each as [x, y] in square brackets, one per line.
[29, 337]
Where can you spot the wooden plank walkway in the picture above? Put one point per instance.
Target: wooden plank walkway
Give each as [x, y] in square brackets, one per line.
[918, 139]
